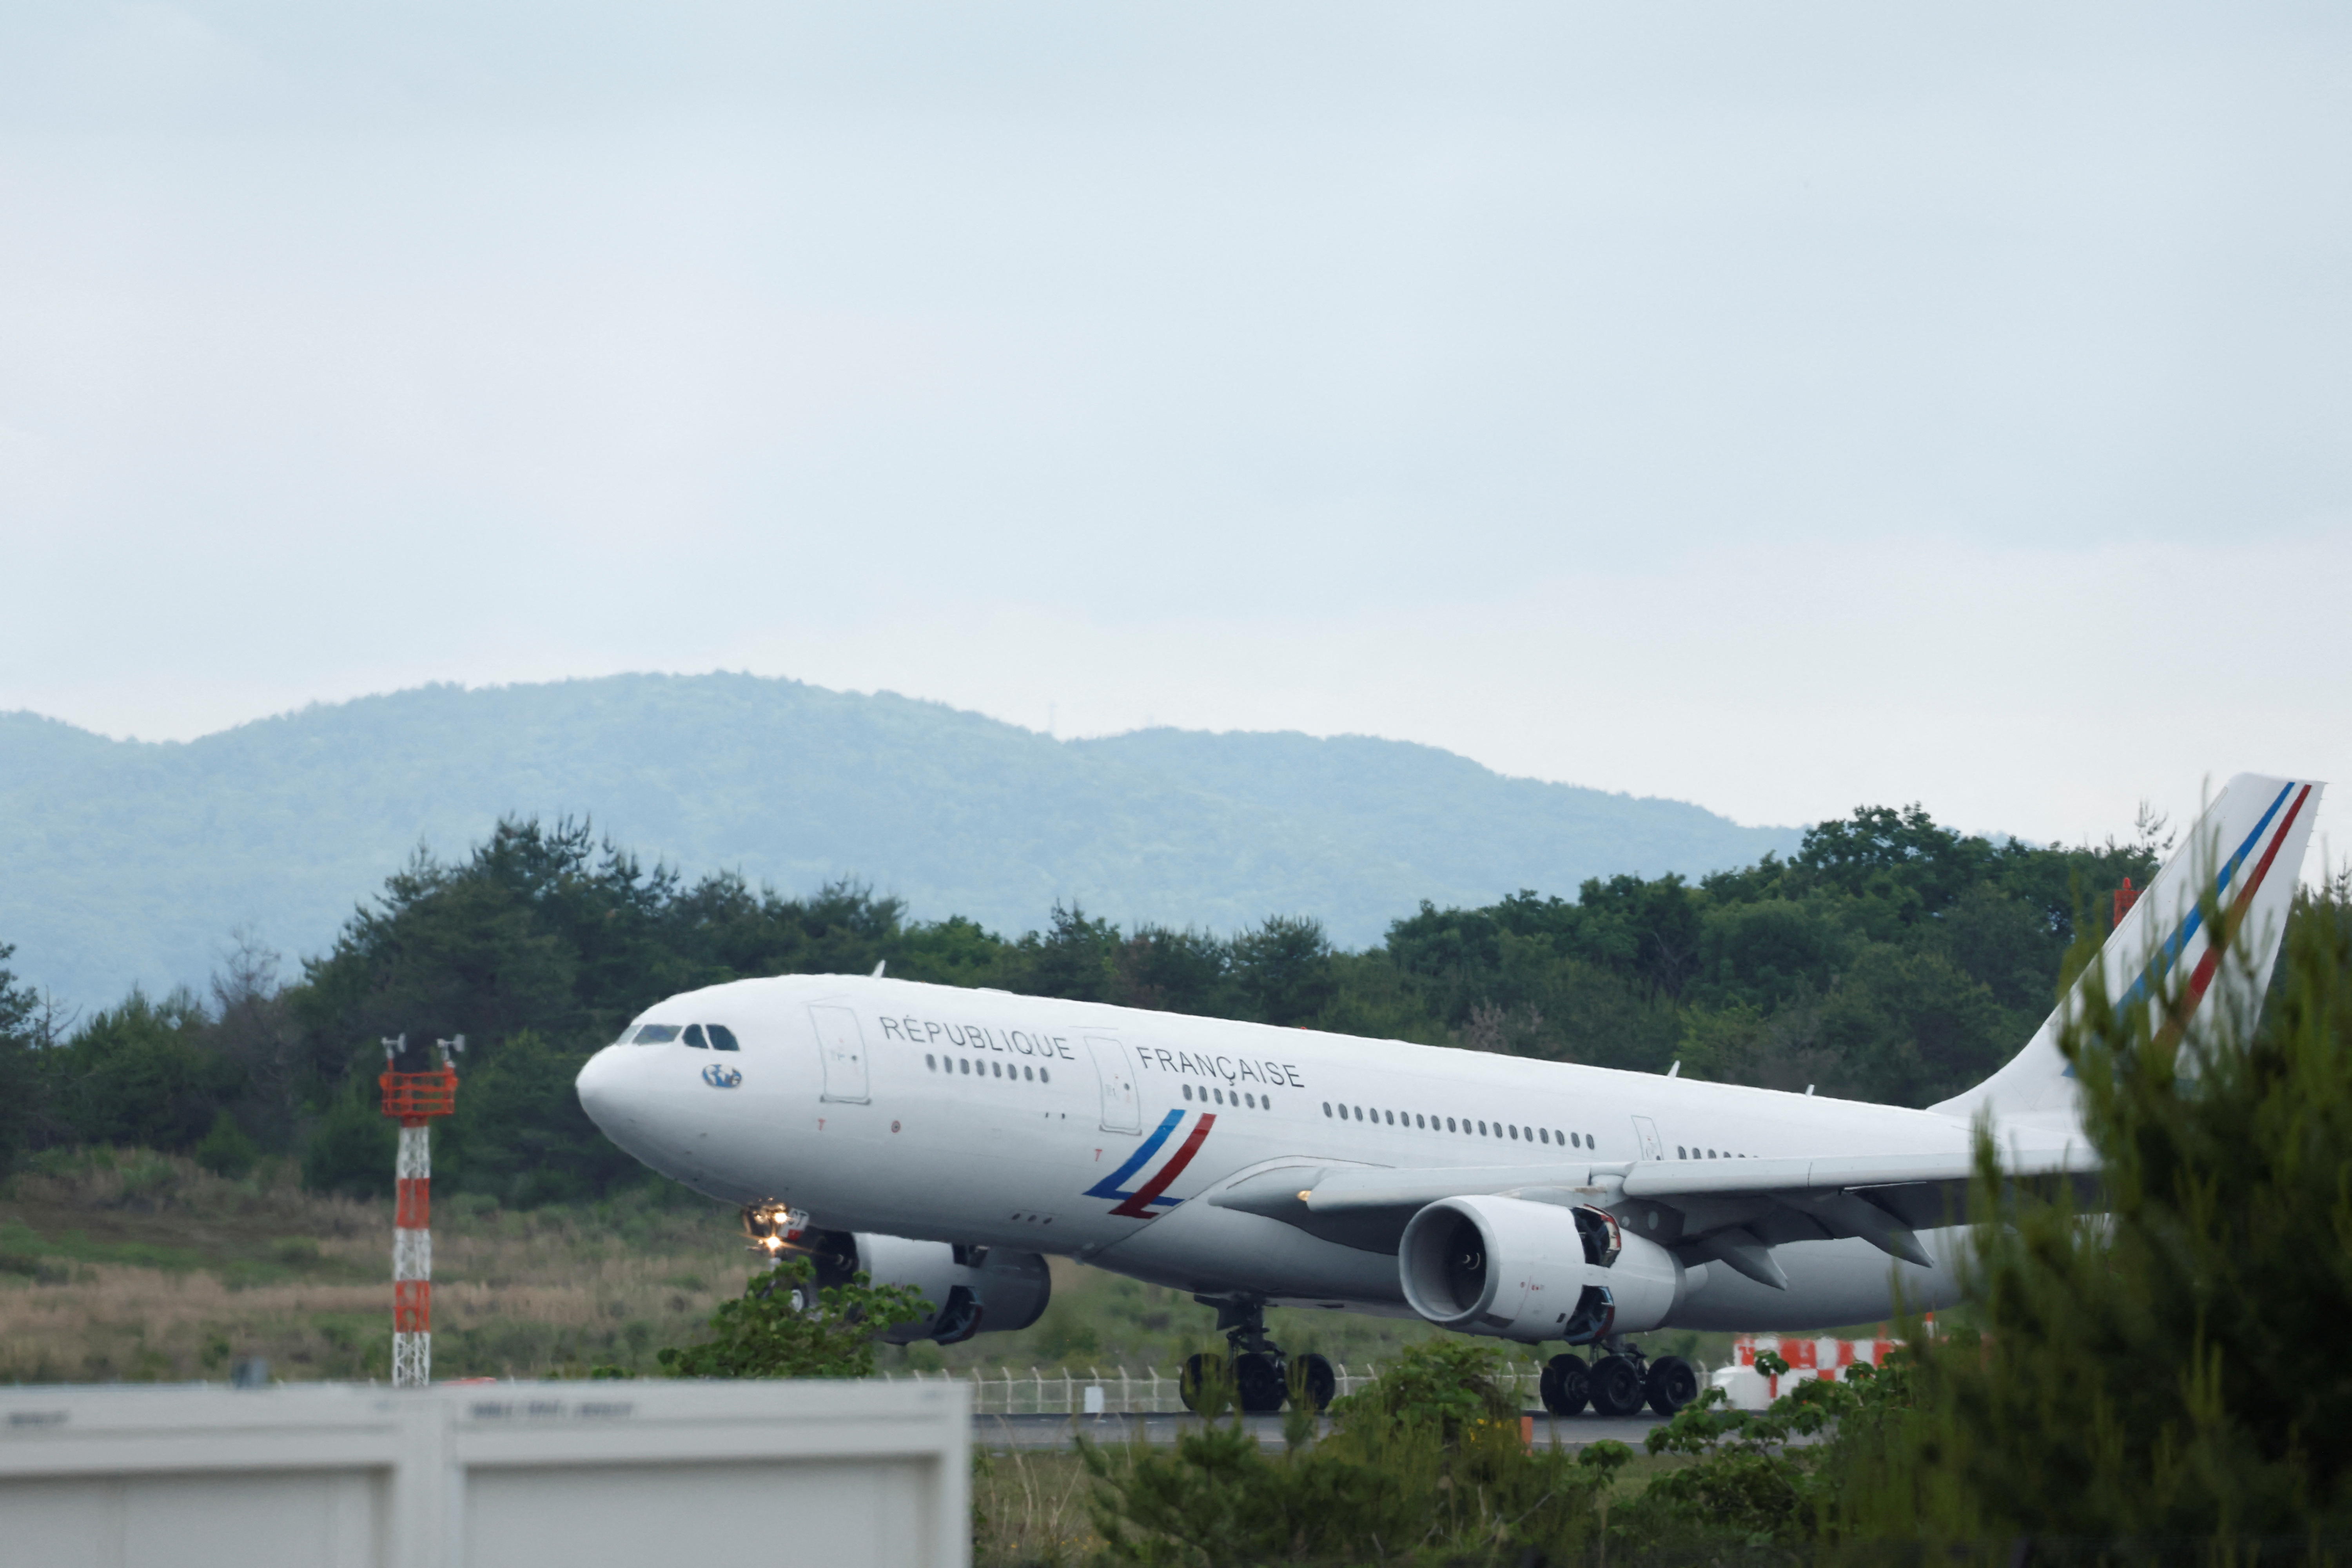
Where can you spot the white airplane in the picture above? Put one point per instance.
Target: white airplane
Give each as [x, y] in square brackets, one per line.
[949, 1138]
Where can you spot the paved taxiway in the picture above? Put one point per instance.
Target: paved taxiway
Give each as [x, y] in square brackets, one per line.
[1002, 1434]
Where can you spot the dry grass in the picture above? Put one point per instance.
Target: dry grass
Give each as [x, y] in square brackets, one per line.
[131, 1266]
[1030, 1507]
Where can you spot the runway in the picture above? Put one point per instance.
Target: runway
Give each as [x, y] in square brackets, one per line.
[1003, 1434]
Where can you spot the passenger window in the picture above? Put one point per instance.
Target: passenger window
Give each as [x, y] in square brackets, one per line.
[1250, 1101]
[722, 1039]
[1360, 1113]
[963, 1064]
[1045, 1075]
[1392, 1116]
[656, 1034]
[1542, 1136]
[1449, 1124]
[1327, 1108]
[1029, 1073]
[996, 1069]
[932, 1062]
[1576, 1140]
[1681, 1153]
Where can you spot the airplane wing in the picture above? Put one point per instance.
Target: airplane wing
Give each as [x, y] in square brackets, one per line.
[1729, 1211]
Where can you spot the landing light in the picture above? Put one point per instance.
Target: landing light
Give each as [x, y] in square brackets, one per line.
[773, 1228]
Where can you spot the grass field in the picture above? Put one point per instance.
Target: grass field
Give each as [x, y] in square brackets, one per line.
[125, 1264]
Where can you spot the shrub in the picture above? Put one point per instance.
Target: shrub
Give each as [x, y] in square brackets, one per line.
[226, 1151]
[354, 1147]
[784, 1326]
[1430, 1463]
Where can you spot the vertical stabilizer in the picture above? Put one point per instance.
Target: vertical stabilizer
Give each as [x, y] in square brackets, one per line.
[2246, 852]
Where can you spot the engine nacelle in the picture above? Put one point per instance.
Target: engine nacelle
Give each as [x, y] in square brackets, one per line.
[1533, 1271]
[969, 1289]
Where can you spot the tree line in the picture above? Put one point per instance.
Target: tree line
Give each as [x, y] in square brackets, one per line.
[1890, 959]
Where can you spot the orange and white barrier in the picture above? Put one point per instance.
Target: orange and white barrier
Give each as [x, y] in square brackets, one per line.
[1749, 1389]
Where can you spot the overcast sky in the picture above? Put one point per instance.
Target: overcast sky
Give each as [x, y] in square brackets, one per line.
[1775, 406]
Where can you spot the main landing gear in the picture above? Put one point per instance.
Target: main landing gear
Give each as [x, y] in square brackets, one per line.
[1618, 1383]
[1261, 1376]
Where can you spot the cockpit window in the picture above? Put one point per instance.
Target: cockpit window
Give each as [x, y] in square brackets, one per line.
[722, 1039]
[656, 1034]
[694, 1037]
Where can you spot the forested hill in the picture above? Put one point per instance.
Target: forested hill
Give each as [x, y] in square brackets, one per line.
[128, 861]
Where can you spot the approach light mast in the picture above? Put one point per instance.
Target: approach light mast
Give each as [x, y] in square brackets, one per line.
[415, 1099]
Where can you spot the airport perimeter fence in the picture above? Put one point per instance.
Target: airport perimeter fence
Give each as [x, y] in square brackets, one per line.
[1007, 1390]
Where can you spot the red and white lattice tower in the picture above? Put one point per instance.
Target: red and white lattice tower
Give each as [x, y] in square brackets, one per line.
[414, 1099]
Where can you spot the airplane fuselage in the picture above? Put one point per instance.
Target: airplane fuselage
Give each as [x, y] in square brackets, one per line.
[980, 1117]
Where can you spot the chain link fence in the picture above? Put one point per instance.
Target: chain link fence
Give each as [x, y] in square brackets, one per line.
[1008, 1391]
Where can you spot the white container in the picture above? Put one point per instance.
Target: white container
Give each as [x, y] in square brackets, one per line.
[1743, 1387]
[577, 1474]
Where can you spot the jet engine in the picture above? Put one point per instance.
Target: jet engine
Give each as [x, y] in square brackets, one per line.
[1532, 1271]
[970, 1289]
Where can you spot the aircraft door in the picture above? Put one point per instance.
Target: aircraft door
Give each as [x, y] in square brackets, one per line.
[841, 1047]
[1647, 1132]
[1122, 1108]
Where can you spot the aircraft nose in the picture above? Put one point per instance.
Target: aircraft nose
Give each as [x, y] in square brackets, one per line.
[602, 1089]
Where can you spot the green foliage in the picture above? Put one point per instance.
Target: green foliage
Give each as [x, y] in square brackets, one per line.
[353, 1147]
[1891, 959]
[2164, 1369]
[1452, 1384]
[226, 1151]
[519, 1133]
[783, 1325]
[1433, 1469]
[20, 1082]
[138, 1074]
[1770, 1476]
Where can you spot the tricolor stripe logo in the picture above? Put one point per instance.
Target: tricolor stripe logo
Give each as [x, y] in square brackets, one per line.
[1139, 1204]
[2169, 953]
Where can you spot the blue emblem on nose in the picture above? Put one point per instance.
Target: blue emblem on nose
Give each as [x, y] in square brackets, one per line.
[718, 1075]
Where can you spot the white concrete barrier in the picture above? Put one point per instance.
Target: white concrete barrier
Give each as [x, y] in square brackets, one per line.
[508, 1475]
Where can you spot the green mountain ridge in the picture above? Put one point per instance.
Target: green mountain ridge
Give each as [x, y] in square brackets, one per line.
[126, 861]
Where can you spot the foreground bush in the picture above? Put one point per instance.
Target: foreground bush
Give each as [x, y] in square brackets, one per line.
[784, 1326]
[2169, 1369]
[1427, 1466]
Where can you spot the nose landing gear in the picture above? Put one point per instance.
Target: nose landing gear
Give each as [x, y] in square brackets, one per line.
[1261, 1376]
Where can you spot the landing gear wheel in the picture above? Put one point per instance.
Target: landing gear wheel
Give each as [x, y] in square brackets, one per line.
[1673, 1383]
[1202, 1373]
[1615, 1386]
[1315, 1381]
[1257, 1384]
[1567, 1385]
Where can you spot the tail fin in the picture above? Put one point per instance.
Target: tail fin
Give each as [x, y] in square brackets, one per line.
[2246, 851]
